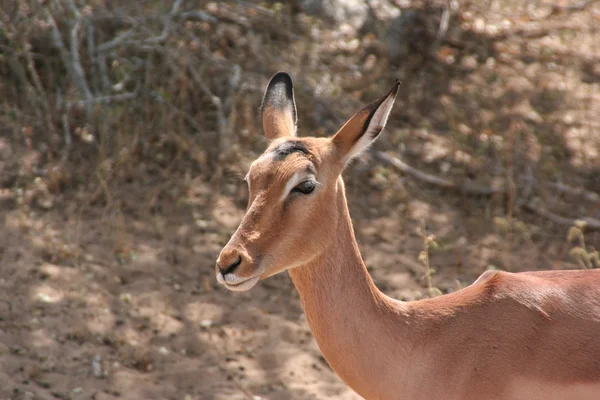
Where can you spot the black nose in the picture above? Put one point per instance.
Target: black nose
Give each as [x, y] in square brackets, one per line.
[231, 267]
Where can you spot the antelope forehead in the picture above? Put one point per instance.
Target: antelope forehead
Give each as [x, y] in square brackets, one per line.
[284, 149]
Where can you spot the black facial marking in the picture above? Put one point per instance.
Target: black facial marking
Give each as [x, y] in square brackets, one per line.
[286, 148]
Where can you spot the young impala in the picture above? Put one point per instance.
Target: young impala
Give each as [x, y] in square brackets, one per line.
[530, 335]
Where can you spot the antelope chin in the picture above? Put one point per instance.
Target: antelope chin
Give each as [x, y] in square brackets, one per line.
[237, 284]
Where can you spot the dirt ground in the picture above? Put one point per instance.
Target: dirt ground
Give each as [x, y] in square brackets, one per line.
[107, 289]
[98, 304]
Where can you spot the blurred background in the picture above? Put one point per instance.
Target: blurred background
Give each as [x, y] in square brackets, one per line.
[126, 128]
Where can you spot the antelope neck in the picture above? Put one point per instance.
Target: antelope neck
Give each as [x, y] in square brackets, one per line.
[358, 328]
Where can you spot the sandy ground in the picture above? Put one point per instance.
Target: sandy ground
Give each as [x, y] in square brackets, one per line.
[99, 304]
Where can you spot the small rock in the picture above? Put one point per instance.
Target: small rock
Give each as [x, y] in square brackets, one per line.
[206, 323]
[201, 223]
[97, 366]
[45, 298]
[163, 350]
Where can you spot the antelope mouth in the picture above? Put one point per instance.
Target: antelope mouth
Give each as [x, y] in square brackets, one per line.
[236, 283]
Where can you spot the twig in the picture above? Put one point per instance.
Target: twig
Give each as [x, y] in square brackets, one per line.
[111, 44]
[196, 15]
[122, 39]
[222, 130]
[469, 188]
[37, 83]
[587, 195]
[76, 61]
[62, 109]
[582, 5]
[67, 131]
[587, 222]
[166, 29]
[71, 60]
[108, 99]
[106, 84]
[260, 9]
[444, 21]
[91, 45]
[215, 100]
[188, 118]
[425, 177]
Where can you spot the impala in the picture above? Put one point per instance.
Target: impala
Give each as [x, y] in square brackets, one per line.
[529, 335]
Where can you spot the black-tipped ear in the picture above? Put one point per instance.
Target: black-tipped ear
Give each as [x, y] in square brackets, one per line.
[279, 107]
[364, 127]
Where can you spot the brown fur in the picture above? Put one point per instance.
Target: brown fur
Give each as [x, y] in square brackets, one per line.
[532, 335]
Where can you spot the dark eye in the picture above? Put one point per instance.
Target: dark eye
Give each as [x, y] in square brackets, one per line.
[305, 187]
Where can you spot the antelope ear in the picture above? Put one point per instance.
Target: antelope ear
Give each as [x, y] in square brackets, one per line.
[279, 108]
[364, 127]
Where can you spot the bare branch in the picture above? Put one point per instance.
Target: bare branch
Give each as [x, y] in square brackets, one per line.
[76, 61]
[91, 47]
[106, 84]
[215, 100]
[111, 44]
[73, 8]
[437, 181]
[166, 29]
[444, 21]
[107, 99]
[122, 39]
[260, 9]
[64, 118]
[42, 98]
[587, 195]
[71, 60]
[425, 177]
[196, 15]
[188, 118]
[587, 222]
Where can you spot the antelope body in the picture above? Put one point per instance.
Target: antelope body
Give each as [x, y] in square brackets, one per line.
[523, 336]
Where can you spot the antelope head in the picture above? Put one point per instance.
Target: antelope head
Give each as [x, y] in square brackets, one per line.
[295, 188]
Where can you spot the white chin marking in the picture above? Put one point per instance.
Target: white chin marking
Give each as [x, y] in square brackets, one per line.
[233, 279]
[220, 278]
[243, 285]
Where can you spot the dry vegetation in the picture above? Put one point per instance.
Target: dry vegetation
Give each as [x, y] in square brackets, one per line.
[125, 129]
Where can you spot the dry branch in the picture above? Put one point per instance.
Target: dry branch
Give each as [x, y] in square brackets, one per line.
[586, 194]
[196, 15]
[587, 222]
[119, 40]
[122, 39]
[467, 187]
[72, 60]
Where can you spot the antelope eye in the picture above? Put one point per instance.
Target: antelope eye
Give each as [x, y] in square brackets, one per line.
[305, 187]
